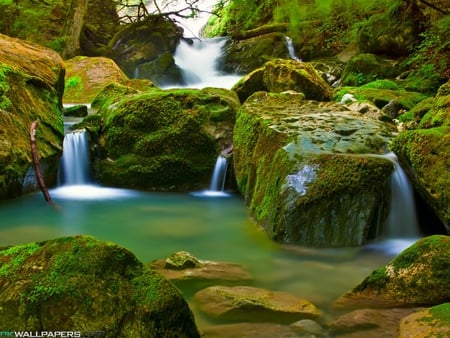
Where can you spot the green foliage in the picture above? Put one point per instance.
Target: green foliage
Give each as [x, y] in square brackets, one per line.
[430, 59]
[382, 84]
[5, 102]
[73, 82]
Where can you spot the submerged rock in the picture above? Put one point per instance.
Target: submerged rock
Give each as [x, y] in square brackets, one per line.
[249, 304]
[31, 88]
[305, 169]
[416, 277]
[182, 266]
[84, 284]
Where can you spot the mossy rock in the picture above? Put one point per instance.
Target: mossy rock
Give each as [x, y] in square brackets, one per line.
[366, 67]
[380, 93]
[164, 139]
[80, 282]
[31, 88]
[439, 113]
[428, 323]
[292, 165]
[425, 151]
[144, 41]
[86, 76]
[285, 75]
[416, 277]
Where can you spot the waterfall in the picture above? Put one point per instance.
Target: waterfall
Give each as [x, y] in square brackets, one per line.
[219, 174]
[402, 219]
[75, 164]
[218, 180]
[199, 63]
[290, 47]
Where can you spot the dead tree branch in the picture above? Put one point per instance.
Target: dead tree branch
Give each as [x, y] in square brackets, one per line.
[37, 167]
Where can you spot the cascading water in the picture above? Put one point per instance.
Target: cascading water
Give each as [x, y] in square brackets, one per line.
[290, 47]
[218, 180]
[198, 62]
[219, 174]
[402, 219]
[74, 178]
[75, 164]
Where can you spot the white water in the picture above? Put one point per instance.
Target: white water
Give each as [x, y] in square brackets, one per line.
[402, 220]
[291, 50]
[218, 180]
[74, 179]
[199, 64]
[75, 164]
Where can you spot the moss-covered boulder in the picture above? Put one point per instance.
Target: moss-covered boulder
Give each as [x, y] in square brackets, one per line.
[31, 88]
[418, 276]
[381, 93]
[86, 76]
[305, 170]
[366, 67]
[144, 41]
[426, 152]
[164, 139]
[79, 282]
[428, 323]
[283, 75]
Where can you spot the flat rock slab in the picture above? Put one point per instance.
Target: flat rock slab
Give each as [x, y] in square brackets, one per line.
[250, 304]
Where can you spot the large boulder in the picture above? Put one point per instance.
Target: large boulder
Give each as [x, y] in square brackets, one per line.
[84, 284]
[31, 88]
[306, 171]
[144, 41]
[416, 277]
[426, 152]
[163, 139]
[86, 76]
[283, 75]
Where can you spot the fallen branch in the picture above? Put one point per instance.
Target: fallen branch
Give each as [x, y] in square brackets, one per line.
[37, 167]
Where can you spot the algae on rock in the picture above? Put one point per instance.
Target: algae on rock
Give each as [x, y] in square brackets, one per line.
[306, 171]
[80, 282]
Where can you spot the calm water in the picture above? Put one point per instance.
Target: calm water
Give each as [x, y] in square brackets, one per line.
[154, 225]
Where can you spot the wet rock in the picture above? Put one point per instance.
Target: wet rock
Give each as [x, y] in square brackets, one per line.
[245, 303]
[306, 171]
[416, 277]
[370, 323]
[182, 266]
[84, 284]
[79, 110]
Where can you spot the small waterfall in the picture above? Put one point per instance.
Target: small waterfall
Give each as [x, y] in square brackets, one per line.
[290, 47]
[75, 164]
[219, 175]
[199, 63]
[402, 219]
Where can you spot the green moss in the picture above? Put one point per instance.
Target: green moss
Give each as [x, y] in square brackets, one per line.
[441, 313]
[5, 102]
[377, 280]
[19, 254]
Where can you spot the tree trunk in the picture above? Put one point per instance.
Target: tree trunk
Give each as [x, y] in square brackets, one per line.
[37, 167]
